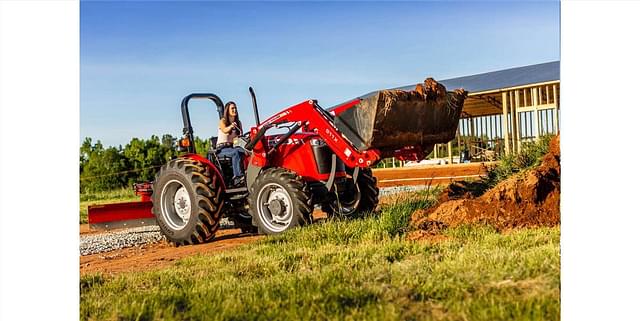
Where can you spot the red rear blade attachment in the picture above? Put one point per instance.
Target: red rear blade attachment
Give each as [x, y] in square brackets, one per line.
[121, 215]
[124, 215]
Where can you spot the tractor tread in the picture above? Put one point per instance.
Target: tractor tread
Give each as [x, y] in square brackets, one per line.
[208, 199]
[298, 189]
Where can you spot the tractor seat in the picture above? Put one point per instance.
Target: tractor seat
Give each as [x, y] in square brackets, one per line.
[212, 153]
[214, 144]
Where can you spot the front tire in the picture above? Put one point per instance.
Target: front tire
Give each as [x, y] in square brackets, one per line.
[188, 200]
[278, 201]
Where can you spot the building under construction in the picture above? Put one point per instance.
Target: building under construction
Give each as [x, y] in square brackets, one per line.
[488, 127]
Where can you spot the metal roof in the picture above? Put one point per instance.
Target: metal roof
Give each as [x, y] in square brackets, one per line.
[506, 78]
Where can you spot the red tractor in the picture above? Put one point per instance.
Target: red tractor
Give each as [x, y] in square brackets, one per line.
[322, 159]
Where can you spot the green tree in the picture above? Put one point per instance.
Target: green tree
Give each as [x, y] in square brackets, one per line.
[99, 167]
[202, 146]
[115, 167]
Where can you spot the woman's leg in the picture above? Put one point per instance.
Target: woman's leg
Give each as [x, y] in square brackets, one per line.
[235, 160]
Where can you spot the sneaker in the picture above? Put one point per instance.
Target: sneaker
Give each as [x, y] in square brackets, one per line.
[238, 181]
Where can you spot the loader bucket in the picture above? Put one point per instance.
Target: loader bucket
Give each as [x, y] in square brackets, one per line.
[389, 120]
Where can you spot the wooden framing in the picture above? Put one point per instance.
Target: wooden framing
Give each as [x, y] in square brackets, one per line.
[515, 119]
[507, 116]
[556, 106]
[505, 124]
[515, 88]
[536, 116]
[472, 135]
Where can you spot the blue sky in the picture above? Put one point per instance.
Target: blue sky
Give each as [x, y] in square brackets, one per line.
[139, 59]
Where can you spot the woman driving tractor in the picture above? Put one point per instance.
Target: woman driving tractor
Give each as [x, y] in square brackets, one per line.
[229, 128]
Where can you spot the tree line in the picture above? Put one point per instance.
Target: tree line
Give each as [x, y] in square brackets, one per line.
[107, 168]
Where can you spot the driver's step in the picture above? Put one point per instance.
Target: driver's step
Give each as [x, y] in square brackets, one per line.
[236, 190]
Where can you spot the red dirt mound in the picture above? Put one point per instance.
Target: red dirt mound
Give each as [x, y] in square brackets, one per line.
[529, 199]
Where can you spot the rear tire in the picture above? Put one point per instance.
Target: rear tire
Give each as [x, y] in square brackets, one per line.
[188, 200]
[278, 201]
[365, 198]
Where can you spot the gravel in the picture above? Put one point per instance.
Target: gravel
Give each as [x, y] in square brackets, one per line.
[138, 236]
[104, 242]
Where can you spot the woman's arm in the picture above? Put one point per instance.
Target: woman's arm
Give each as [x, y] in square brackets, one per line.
[224, 128]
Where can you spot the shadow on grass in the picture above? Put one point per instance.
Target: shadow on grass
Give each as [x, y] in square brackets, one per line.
[233, 236]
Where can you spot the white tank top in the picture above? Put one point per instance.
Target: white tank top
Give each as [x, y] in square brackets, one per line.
[226, 138]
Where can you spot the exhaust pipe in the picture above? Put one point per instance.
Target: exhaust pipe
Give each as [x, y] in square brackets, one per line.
[255, 105]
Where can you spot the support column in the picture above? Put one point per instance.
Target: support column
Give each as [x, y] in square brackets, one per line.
[536, 117]
[458, 136]
[546, 89]
[515, 123]
[555, 110]
[450, 152]
[505, 123]
[472, 137]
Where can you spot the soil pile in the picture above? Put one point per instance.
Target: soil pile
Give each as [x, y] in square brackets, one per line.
[528, 199]
[391, 119]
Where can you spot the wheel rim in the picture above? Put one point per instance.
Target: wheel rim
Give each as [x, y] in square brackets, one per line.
[175, 205]
[275, 207]
[349, 207]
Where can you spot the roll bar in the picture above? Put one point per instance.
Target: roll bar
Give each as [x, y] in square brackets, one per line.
[186, 120]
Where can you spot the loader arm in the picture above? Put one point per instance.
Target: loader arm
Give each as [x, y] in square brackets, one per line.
[385, 123]
[312, 118]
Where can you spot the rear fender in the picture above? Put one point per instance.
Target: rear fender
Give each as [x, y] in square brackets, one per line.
[205, 161]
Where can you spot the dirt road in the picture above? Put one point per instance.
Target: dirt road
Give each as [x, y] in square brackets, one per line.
[158, 255]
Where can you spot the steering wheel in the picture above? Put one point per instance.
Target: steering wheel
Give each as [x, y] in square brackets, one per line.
[243, 140]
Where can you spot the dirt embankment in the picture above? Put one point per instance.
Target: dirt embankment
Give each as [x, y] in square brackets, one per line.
[528, 199]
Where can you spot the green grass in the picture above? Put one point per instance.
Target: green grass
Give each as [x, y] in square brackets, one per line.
[114, 196]
[529, 156]
[343, 270]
